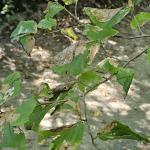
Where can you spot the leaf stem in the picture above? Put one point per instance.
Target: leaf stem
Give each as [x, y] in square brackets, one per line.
[72, 15]
[88, 125]
[76, 7]
[24, 49]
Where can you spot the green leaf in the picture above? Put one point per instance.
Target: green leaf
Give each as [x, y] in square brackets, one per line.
[74, 135]
[10, 79]
[66, 107]
[52, 9]
[105, 18]
[100, 15]
[124, 77]
[25, 39]
[88, 80]
[45, 92]
[71, 135]
[78, 64]
[117, 130]
[28, 42]
[148, 55]
[104, 23]
[24, 28]
[69, 2]
[118, 17]
[47, 23]
[106, 66]
[73, 95]
[56, 144]
[11, 139]
[14, 81]
[24, 111]
[37, 115]
[95, 33]
[140, 19]
[45, 134]
[17, 87]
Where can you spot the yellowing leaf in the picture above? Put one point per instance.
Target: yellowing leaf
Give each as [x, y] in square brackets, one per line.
[69, 2]
[69, 32]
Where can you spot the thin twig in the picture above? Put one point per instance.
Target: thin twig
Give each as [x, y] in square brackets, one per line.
[135, 57]
[78, 111]
[105, 52]
[134, 37]
[71, 15]
[88, 125]
[52, 102]
[76, 7]
[57, 129]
